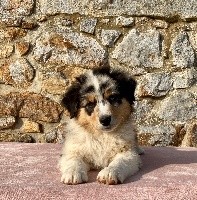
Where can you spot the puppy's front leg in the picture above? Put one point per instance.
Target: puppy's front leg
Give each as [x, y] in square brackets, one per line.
[122, 166]
[74, 170]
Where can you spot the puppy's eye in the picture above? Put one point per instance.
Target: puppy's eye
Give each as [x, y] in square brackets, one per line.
[90, 107]
[114, 98]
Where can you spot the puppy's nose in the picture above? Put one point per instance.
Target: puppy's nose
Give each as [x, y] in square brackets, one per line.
[105, 120]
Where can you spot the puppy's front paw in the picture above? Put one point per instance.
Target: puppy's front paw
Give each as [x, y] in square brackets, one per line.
[109, 176]
[73, 177]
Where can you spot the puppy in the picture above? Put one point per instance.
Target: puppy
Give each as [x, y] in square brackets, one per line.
[100, 133]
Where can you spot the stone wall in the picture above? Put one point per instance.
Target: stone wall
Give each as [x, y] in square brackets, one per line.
[45, 44]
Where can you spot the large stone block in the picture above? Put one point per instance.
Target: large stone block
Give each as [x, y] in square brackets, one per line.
[154, 84]
[17, 7]
[182, 51]
[63, 47]
[21, 71]
[170, 9]
[30, 105]
[157, 135]
[30, 127]
[180, 106]
[109, 37]
[185, 78]
[140, 50]
[54, 84]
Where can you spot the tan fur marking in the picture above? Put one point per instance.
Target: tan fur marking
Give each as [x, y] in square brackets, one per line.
[88, 122]
[107, 93]
[122, 112]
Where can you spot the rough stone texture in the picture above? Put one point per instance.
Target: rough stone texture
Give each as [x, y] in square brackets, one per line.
[21, 71]
[22, 48]
[88, 25]
[109, 37]
[6, 51]
[56, 135]
[32, 106]
[190, 138]
[140, 50]
[179, 106]
[30, 127]
[45, 44]
[185, 78]
[159, 135]
[16, 137]
[160, 24]
[11, 33]
[182, 51]
[65, 47]
[124, 21]
[170, 9]
[154, 84]
[7, 122]
[15, 8]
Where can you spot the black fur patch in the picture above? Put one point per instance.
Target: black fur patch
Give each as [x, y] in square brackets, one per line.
[71, 99]
[126, 86]
[89, 89]
[89, 108]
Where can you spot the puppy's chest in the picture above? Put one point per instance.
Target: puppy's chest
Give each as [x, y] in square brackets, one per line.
[100, 151]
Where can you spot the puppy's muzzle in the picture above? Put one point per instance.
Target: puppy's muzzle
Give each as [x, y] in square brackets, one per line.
[105, 120]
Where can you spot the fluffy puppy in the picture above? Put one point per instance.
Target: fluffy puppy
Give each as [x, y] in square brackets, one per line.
[100, 133]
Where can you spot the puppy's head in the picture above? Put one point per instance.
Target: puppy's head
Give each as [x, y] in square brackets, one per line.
[100, 100]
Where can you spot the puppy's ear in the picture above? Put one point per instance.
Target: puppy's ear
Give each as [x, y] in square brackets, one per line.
[126, 85]
[71, 100]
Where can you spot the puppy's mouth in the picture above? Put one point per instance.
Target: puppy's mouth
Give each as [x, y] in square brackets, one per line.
[108, 128]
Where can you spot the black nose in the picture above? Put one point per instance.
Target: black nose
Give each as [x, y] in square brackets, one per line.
[105, 120]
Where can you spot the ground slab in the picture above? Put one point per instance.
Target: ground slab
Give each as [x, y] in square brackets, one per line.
[29, 171]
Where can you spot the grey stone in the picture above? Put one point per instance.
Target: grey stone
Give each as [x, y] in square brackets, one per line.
[184, 79]
[7, 122]
[56, 135]
[109, 37]
[51, 136]
[182, 51]
[141, 50]
[180, 106]
[11, 8]
[60, 46]
[160, 135]
[88, 25]
[143, 109]
[170, 9]
[124, 21]
[154, 84]
[21, 71]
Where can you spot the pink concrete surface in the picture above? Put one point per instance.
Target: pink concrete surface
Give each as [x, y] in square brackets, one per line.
[29, 171]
